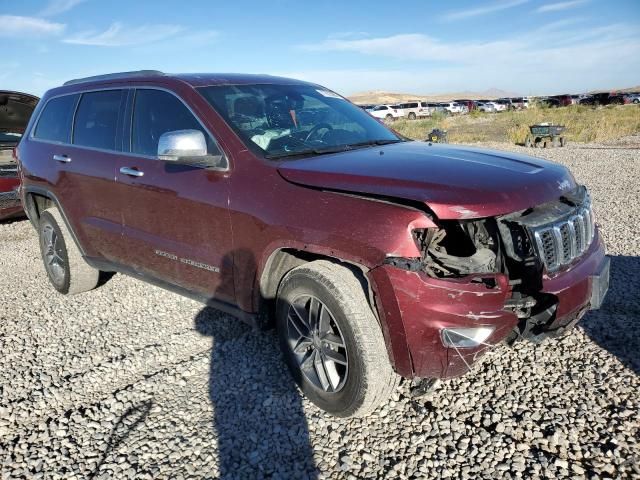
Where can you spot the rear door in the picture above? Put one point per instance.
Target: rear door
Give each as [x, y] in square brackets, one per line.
[176, 224]
[81, 159]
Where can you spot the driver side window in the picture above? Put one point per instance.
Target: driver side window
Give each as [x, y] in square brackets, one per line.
[156, 112]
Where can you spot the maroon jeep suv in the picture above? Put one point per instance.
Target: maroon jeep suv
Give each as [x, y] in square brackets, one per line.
[269, 198]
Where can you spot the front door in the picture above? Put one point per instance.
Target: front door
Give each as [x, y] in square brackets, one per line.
[176, 224]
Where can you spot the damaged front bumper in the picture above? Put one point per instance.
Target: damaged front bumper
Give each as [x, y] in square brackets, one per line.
[416, 308]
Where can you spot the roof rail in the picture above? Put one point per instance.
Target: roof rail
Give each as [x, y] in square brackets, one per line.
[115, 76]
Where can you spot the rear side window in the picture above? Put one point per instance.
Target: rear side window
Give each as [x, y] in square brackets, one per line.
[55, 121]
[96, 123]
[157, 112]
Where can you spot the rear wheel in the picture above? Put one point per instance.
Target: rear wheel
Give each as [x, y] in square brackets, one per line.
[331, 340]
[68, 272]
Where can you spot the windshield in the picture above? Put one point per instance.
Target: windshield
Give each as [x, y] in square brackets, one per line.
[289, 120]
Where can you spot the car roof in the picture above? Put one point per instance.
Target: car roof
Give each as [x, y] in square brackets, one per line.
[192, 79]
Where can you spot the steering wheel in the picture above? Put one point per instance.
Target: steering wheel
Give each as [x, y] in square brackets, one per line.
[316, 129]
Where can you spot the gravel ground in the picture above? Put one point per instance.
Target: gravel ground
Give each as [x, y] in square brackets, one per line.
[130, 381]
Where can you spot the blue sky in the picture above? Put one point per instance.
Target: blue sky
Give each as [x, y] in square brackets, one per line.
[428, 46]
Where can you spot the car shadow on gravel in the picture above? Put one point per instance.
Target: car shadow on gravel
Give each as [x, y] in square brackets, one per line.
[615, 327]
[258, 418]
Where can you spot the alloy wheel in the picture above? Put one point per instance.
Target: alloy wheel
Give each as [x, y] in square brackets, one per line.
[317, 343]
[53, 254]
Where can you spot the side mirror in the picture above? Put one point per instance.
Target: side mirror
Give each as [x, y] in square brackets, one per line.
[181, 144]
[187, 147]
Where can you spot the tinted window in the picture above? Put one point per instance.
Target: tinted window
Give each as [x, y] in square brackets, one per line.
[55, 122]
[157, 112]
[96, 122]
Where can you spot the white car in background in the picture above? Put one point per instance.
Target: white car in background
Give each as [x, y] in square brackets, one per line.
[486, 107]
[501, 105]
[385, 112]
[453, 107]
[410, 110]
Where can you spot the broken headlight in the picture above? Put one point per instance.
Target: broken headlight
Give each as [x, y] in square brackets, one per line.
[460, 248]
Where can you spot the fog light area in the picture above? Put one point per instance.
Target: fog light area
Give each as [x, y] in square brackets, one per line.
[465, 337]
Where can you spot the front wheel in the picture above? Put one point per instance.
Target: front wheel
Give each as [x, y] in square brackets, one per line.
[331, 340]
[412, 116]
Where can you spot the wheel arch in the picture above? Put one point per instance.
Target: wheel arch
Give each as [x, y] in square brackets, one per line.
[37, 200]
[283, 260]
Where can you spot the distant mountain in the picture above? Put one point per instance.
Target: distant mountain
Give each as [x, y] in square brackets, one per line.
[378, 96]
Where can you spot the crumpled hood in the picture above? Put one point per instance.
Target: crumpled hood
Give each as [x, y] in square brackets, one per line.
[455, 182]
[15, 110]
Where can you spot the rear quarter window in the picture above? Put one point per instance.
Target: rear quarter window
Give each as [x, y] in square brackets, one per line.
[54, 123]
[96, 123]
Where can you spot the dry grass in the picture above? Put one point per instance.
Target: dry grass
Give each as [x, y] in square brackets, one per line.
[584, 124]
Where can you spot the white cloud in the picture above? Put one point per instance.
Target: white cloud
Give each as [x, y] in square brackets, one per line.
[54, 7]
[408, 46]
[556, 7]
[568, 57]
[475, 12]
[27, 27]
[117, 35]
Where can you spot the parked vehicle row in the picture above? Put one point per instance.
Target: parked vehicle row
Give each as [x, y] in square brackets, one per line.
[421, 108]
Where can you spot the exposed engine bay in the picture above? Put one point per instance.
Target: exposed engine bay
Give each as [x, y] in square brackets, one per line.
[521, 245]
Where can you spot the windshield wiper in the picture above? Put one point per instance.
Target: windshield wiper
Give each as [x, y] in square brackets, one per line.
[334, 149]
[374, 142]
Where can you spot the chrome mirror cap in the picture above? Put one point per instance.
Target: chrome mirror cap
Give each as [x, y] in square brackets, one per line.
[177, 144]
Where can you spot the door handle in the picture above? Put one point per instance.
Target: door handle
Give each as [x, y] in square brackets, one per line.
[132, 172]
[62, 158]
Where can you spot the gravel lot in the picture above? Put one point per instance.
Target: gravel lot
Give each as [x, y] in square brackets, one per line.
[130, 381]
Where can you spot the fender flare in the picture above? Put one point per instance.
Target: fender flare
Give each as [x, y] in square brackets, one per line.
[31, 209]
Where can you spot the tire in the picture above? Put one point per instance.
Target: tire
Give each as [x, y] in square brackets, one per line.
[527, 142]
[563, 141]
[68, 272]
[368, 378]
[412, 116]
[389, 117]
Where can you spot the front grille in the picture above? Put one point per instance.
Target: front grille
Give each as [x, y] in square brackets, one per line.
[561, 242]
